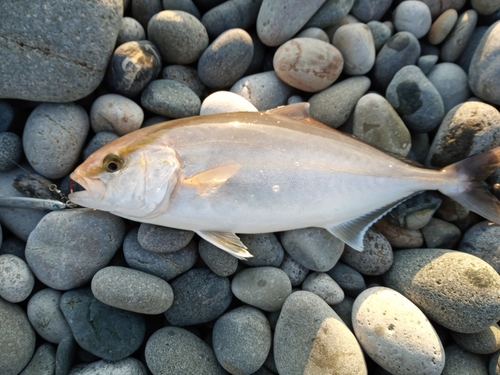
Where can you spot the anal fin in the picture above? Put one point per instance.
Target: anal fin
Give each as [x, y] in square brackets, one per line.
[226, 241]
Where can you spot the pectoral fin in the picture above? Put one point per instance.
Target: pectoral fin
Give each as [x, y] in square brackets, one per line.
[226, 241]
[211, 179]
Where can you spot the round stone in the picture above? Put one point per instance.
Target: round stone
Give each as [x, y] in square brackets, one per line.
[395, 333]
[43, 361]
[115, 113]
[483, 240]
[413, 16]
[370, 10]
[53, 138]
[99, 140]
[452, 83]
[265, 248]
[442, 26]
[224, 102]
[180, 37]
[295, 271]
[324, 286]
[484, 342]
[143, 10]
[350, 280]
[16, 279]
[440, 234]
[355, 43]
[160, 239]
[330, 13]
[298, 61]
[132, 66]
[219, 261]
[242, 340]
[11, 150]
[127, 366]
[130, 31]
[186, 75]
[263, 287]
[456, 41]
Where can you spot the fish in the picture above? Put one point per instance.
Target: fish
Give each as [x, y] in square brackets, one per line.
[268, 171]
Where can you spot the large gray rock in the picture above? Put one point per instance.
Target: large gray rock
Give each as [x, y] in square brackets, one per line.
[58, 51]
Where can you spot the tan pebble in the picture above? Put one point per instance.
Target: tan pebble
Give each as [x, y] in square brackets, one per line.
[398, 237]
[442, 26]
[485, 7]
[308, 64]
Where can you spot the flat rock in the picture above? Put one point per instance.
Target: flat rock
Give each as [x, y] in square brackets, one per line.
[482, 240]
[16, 279]
[127, 366]
[452, 83]
[115, 113]
[324, 286]
[456, 41]
[355, 43]
[160, 239]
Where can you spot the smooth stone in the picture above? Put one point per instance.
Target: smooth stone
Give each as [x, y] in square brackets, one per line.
[65, 354]
[308, 64]
[11, 151]
[315, 33]
[314, 248]
[186, 75]
[377, 123]
[132, 66]
[412, 16]
[484, 67]
[126, 366]
[395, 333]
[416, 212]
[265, 248]
[310, 338]
[462, 362]
[115, 113]
[295, 271]
[43, 361]
[441, 234]
[104, 331]
[16, 279]
[224, 102]
[213, 296]
[485, 7]
[467, 129]
[17, 338]
[263, 287]
[355, 43]
[56, 53]
[130, 31]
[53, 138]
[234, 14]
[484, 342]
[264, 90]
[442, 26]
[160, 239]
[465, 58]
[370, 10]
[452, 83]
[426, 63]
[170, 98]
[86, 246]
[219, 261]
[420, 145]
[99, 140]
[377, 257]
[46, 316]
[455, 289]
[324, 286]
[242, 340]
[294, 99]
[180, 37]
[398, 237]
[174, 350]
[260, 53]
[451, 210]
[330, 13]
[494, 364]
[456, 41]
[132, 290]
[226, 59]
[144, 10]
[279, 20]
[347, 20]
[349, 279]
[381, 33]
[6, 115]
[400, 50]
[483, 241]
[164, 265]
[187, 6]
[333, 105]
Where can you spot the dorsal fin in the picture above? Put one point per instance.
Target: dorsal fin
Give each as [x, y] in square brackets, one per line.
[298, 112]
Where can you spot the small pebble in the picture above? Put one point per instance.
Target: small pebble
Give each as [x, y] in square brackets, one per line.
[451, 210]
[265, 248]
[130, 31]
[486, 7]
[324, 286]
[295, 271]
[16, 278]
[99, 140]
[186, 75]
[440, 234]
[442, 26]
[11, 151]
[452, 83]
[231, 15]
[427, 62]
[456, 41]
[381, 33]
[219, 261]
[460, 361]
[143, 10]
[65, 354]
[483, 241]
[484, 342]
[465, 58]
[43, 361]
[437, 7]
[127, 366]
[224, 102]
[350, 280]
[413, 16]
[355, 43]
[370, 10]
[160, 239]
[315, 33]
[115, 113]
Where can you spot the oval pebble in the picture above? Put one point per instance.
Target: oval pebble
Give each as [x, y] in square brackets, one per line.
[224, 102]
[16, 279]
[412, 16]
[452, 83]
[484, 342]
[115, 113]
[226, 59]
[186, 75]
[90, 240]
[440, 234]
[324, 286]
[330, 13]
[486, 7]
[310, 338]
[143, 10]
[11, 151]
[65, 354]
[315, 33]
[6, 115]
[132, 290]
[370, 10]
[308, 64]
[381, 33]
[350, 280]
[174, 350]
[263, 287]
[460, 361]
[160, 239]
[130, 31]
[427, 62]
[295, 271]
[126, 366]
[456, 41]
[483, 240]
[355, 43]
[265, 248]
[396, 334]
[455, 289]
[43, 361]
[219, 261]
[99, 140]
[53, 138]
[442, 26]
[242, 340]
[398, 237]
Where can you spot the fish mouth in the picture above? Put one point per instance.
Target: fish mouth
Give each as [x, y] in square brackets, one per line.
[94, 189]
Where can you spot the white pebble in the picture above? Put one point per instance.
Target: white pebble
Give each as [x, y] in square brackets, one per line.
[225, 101]
[115, 113]
[16, 278]
[414, 17]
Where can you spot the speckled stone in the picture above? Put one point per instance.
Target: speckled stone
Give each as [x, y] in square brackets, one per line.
[398, 237]
[11, 150]
[224, 102]
[127, 366]
[462, 362]
[483, 240]
[442, 26]
[43, 361]
[160, 239]
[324, 286]
[440, 234]
[355, 43]
[415, 212]
[265, 248]
[381, 33]
[186, 75]
[484, 342]
[130, 31]
[330, 13]
[99, 140]
[115, 113]
[16, 279]
[219, 261]
[295, 271]
[310, 338]
[370, 10]
[456, 41]
[350, 280]
[455, 289]
[452, 83]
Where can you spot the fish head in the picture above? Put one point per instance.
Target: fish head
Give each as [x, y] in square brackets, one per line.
[132, 177]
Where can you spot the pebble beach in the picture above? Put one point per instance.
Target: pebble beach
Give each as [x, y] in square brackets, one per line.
[84, 292]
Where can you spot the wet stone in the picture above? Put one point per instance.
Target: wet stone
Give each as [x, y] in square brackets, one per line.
[265, 248]
[160, 239]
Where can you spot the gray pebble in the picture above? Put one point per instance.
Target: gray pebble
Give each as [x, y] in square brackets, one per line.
[180, 37]
[420, 145]
[11, 150]
[186, 75]
[265, 248]
[314, 248]
[242, 340]
[53, 138]
[456, 41]
[415, 212]
[160, 239]
[315, 33]
[263, 287]
[426, 63]
[199, 297]
[330, 13]
[483, 240]
[440, 234]
[115, 113]
[90, 240]
[127, 366]
[132, 66]
[381, 33]
[171, 99]
[484, 342]
[344, 310]
[295, 271]
[130, 31]
[143, 10]
[452, 83]
[219, 261]
[333, 105]
[494, 364]
[105, 331]
[462, 362]
[43, 361]
[17, 338]
[370, 10]
[187, 6]
[65, 354]
[6, 115]
[416, 99]
[226, 59]
[132, 290]
[16, 278]
[437, 7]
[324, 286]
[46, 316]
[413, 16]
[465, 58]
[99, 140]
[155, 120]
[451, 210]
[174, 350]
[164, 265]
[350, 280]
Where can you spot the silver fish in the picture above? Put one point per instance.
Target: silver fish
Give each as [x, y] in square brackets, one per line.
[256, 172]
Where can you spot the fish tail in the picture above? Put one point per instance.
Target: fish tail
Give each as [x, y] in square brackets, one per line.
[467, 187]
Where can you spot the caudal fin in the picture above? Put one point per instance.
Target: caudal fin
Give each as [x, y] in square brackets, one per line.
[469, 189]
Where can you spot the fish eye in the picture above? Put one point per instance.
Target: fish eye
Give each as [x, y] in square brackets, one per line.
[112, 162]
